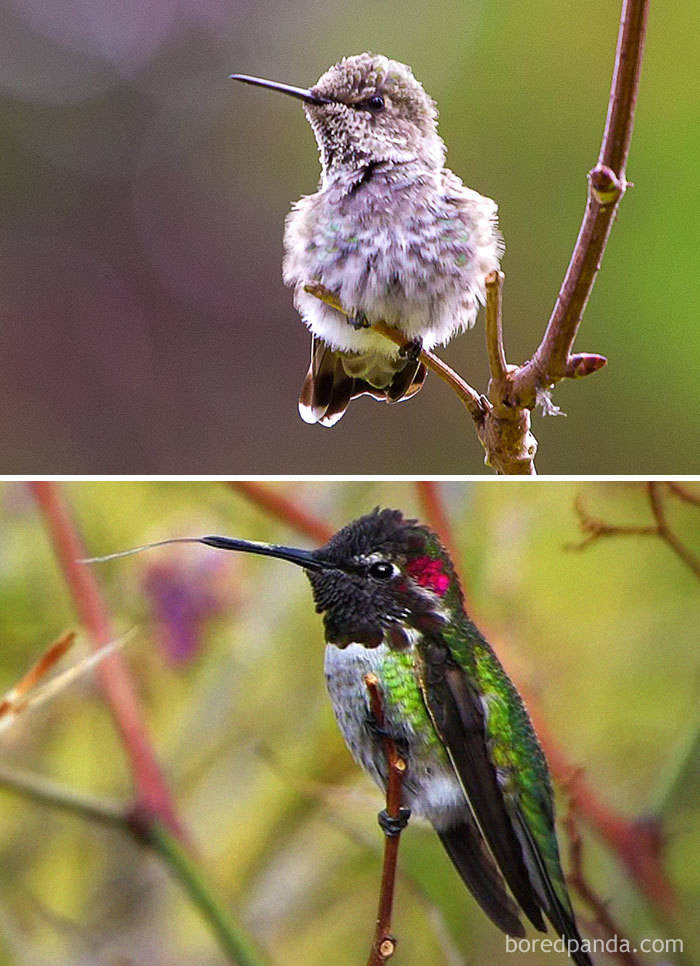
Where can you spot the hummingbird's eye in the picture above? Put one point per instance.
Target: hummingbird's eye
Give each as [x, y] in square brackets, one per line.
[374, 103]
[381, 570]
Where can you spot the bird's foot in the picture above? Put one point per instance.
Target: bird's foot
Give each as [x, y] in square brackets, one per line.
[379, 732]
[374, 728]
[358, 320]
[412, 350]
[393, 825]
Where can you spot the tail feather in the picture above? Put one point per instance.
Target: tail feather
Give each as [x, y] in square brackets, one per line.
[555, 902]
[465, 847]
[328, 389]
[407, 382]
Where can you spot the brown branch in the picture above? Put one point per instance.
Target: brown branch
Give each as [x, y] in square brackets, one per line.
[636, 842]
[282, 508]
[514, 391]
[471, 399]
[384, 944]
[324, 794]
[474, 402]
[683, 494]
[578, 881]
[595, 528]
[552, 361]
[498, 366]
[504, 432]
[665, 532]
[153, 801]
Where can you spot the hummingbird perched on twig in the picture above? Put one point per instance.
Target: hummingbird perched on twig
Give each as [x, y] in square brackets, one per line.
[391, 232]
[392, 606]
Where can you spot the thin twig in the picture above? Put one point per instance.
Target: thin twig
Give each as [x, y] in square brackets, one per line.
[152, 793]
[552, 361]
[513, 392]
[320, 793]
[233, 940]
[577, 879]
[472, 400]
[683, 494]
[384, 944]
[47, 792]
[494, 326]
[595, 528]
[665, 532]
[504, 432]
[25, 696]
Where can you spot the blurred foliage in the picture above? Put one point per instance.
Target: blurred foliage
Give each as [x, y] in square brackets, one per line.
[283, 821]
[145, 326]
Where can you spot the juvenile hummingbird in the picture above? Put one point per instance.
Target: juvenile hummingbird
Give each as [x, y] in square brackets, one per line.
[391, 231]
[392, 606]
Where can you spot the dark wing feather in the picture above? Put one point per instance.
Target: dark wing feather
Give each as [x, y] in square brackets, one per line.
[465, 847]
[559, 913]
[459, 720]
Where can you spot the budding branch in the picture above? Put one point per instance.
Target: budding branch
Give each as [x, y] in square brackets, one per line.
[384, 944]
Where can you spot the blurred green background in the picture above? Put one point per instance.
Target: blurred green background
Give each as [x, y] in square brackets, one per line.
[227, 659]
[145, 327]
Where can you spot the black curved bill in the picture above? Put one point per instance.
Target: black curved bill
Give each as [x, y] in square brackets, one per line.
[301, 92]
[304, 558]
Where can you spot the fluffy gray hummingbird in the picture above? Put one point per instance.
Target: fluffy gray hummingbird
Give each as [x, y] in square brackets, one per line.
[392, 606]
[391, 232]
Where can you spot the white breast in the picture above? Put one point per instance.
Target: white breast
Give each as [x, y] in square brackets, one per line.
[431, 788]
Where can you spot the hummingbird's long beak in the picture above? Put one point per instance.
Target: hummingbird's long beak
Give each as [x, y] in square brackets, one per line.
[304, 558]
[302, 93]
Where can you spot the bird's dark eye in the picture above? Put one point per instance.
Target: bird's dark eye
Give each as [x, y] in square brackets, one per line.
[381, 570]
[374, 103]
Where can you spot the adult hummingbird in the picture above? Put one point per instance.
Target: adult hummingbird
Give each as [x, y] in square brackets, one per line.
[391, 231]
[392, 606]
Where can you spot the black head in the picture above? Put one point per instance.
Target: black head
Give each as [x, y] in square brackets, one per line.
[381, 575]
